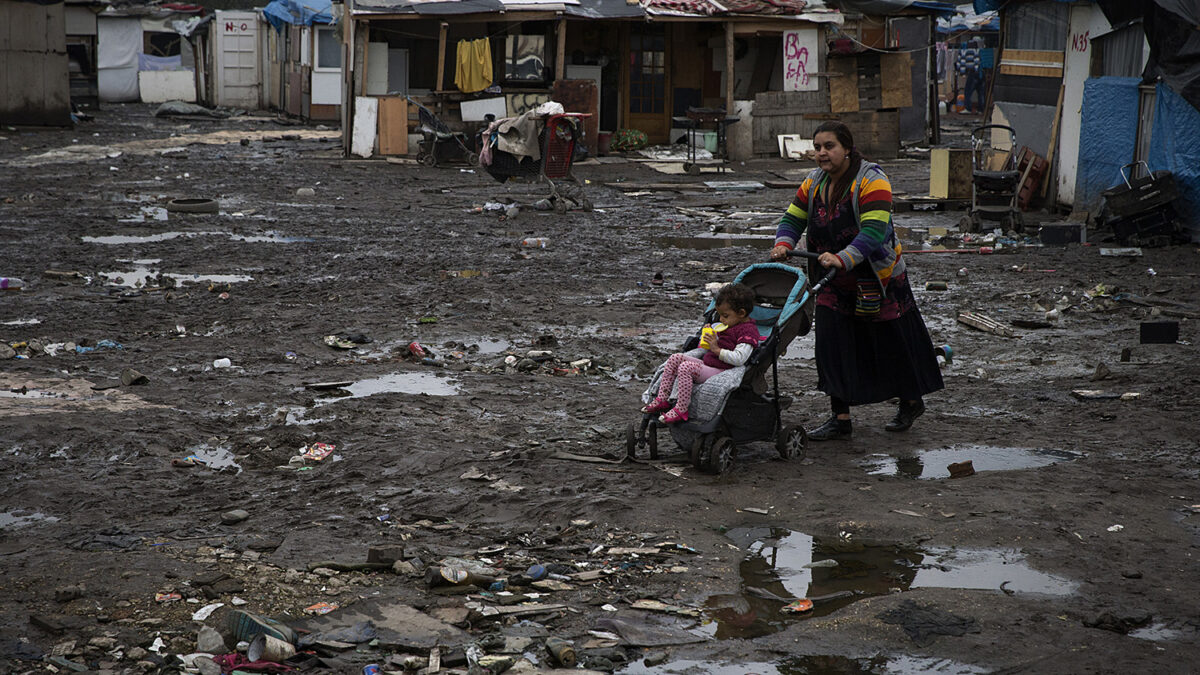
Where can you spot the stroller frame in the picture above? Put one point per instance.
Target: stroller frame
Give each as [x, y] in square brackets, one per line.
[993, 193]
[751, 412]
[435, 133]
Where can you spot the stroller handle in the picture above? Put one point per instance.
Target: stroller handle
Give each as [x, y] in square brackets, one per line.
[792, 253]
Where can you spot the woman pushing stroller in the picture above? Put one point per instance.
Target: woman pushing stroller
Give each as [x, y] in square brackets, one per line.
[730, 344]
[871, 343]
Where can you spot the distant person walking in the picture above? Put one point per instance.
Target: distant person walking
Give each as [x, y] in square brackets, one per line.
[968, 66]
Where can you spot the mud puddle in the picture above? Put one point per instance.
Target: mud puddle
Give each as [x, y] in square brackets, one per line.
[12, 520]
[709, 242]
[1160, 631]
[267, 237]
[931, 464]
[143, 276]
[814, 664]
[394, 383]
[783, 565]
[146, 213]
[216, 457]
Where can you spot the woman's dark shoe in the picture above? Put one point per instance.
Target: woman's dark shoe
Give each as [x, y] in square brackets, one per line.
[904, 416]
[832, 430]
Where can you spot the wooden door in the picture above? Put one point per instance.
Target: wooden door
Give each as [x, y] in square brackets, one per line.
[648, 108]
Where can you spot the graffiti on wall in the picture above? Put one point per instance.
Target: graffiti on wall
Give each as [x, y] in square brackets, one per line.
[800, 60]
[520, 103]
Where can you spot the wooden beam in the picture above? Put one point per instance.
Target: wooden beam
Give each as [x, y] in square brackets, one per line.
[366, 58]
[729, 75]
[1053, 142]
[560, 55]
[441, 62]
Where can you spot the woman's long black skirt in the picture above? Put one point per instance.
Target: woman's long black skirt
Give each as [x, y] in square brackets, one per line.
[864, 362]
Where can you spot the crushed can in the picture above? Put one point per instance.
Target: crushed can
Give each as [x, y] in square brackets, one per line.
[561, 651]
[416, 349]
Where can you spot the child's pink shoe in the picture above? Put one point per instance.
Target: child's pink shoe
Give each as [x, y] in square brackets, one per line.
[674, 416]
[657, 405]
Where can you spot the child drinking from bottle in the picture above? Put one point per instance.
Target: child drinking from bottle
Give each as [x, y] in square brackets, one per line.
[728, 344]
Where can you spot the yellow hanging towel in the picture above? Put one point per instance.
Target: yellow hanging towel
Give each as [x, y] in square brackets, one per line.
[473, 65]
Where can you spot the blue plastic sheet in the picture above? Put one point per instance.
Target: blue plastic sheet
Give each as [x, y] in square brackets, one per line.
[280, 13]
[1175, 147]
[1108, 137]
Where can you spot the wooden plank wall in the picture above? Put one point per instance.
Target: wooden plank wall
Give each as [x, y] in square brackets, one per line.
[876, 132]
[783, 112]
[34, 77]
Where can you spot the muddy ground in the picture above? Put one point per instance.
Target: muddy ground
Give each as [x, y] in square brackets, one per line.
[1073, 549]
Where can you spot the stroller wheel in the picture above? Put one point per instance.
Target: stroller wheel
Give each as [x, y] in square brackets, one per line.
[429, 160]
[631, 439]
[697, 451]
[560, 205]
[720, 455]
[652, 440]
[791, 442]
[586, 204]
[473, 159]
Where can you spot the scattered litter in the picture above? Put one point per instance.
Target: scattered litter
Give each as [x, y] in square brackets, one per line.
[937, 286]
[906, 512]
[798, 606]
[317, 451]
[206, 611]
[222, 363]
[1097, 394]
[167, 597]
[1131, 252]
[187, 462]
[338, 343]
[985, 324]
[659, 606]
[961, 469]
[755, 509]
[320, 608]
[1115, 528]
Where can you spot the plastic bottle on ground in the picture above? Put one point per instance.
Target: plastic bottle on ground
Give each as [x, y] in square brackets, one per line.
[11, 283]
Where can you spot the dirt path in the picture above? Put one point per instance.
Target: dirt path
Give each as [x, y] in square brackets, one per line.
[1082, 517]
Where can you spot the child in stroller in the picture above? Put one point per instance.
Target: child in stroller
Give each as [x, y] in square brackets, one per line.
[736, 337]
[736, 405]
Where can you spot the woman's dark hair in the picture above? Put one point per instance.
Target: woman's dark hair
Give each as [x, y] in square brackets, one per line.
[739, 297]
[843, 135]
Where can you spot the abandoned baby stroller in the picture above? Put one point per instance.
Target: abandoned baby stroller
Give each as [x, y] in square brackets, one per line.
[735, 406]
[438, 143]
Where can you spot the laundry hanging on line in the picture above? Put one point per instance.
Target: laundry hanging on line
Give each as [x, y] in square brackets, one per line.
[473, 71]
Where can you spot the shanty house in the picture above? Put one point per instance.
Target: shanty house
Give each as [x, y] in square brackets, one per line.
[649, 62]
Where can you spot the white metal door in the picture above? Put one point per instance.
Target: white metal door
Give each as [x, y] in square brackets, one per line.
[236, 49]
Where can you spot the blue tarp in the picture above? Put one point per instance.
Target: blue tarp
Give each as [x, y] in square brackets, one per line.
[1107, 138]
[280, 13]
[1175, 147]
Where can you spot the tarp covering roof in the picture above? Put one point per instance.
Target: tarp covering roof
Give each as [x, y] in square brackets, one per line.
[887, 7]
[430, 7]
[605, 9]
[280, 13]
[965, 19]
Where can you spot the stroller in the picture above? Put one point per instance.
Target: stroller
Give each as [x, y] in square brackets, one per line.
[735, 406]
[993, 188]
[440, 144]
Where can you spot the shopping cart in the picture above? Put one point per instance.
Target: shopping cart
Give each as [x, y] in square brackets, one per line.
[558, 138]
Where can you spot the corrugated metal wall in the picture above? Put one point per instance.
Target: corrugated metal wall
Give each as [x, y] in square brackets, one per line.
[34, 79]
